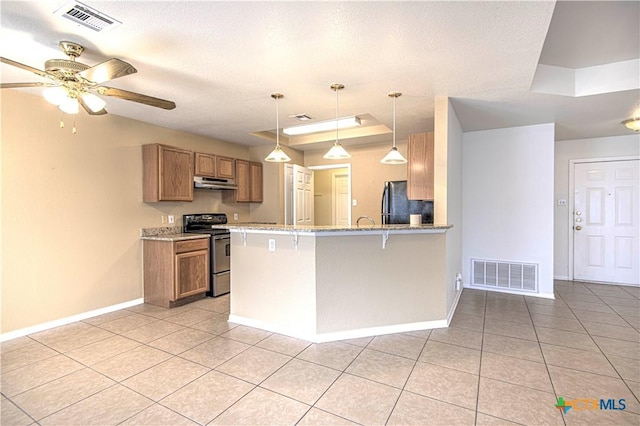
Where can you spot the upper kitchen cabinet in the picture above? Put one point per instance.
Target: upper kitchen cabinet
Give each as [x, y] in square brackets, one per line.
[214, 166]
[167, 173]
[420, 167]
[249, 182]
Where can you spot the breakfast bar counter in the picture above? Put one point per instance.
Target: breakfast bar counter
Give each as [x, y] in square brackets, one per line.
[322, 283]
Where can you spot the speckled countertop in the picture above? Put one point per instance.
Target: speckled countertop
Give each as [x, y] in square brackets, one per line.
[326, 229]
[169, 233]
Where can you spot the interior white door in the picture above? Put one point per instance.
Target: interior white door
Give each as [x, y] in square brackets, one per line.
[606, 230]
[303, 195]
[341, 200]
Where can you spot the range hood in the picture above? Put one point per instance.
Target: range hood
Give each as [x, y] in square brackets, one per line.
[211, 183]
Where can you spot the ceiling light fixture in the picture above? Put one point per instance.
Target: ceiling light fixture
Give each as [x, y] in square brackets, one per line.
[322, 126]
[277, 155]
[337, 152]
[394, 156]
[633, 123]
[67, 99]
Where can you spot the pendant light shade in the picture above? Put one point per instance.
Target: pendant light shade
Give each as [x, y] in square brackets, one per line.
[394, 156]
[277, 155]
[633, 123]
[337, 151]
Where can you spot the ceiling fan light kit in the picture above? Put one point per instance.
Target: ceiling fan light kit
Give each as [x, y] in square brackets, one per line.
[277, 155]
[337, 151]
[633, 123]
[394, 156]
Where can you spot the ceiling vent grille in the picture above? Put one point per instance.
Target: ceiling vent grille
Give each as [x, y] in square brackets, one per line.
[512, 276]
[87, 16]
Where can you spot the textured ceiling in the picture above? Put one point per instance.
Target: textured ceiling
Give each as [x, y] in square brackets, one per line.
[220, 61]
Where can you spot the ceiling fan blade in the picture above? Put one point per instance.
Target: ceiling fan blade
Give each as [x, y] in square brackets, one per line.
[19, 85]
[89, 110]
[135, 97]
[25, 67]
[107, 70]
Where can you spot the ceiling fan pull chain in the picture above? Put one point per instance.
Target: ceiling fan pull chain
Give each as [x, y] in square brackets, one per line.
[61, 121]
[74, 125]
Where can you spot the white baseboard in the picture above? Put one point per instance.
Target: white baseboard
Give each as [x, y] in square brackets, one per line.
[561, 277]
[68, 320]
[453, 308]
[507, 291]
[339, 335]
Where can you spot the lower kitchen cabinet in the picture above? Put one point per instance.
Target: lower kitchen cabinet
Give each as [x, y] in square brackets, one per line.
[175, 272]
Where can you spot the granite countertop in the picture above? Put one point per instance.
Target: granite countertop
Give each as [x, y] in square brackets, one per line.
[327, 229]
[169, 233]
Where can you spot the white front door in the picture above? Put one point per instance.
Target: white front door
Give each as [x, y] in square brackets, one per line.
[606, 230]
[341, 200]
[303, 195]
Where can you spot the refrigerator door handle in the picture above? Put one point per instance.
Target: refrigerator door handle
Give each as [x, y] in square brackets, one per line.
[385, 210]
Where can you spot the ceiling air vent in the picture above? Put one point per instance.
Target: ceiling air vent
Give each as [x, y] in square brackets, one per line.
[301, 117]
[86, 16]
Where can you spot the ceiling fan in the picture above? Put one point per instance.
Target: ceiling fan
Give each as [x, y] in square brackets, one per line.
[74, 82]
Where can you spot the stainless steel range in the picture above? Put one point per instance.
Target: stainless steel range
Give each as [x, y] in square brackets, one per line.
[220, 249]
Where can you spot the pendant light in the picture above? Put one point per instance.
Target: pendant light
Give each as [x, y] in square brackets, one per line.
[337, 151]
[394, 156]
[277, 155]
[633, 123]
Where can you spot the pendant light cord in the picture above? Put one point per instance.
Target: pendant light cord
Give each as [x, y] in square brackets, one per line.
[337, 125]
[394, 121]
[277, 123]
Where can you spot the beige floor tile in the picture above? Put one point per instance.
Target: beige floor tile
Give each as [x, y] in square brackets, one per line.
[444, 384]
[103, 349]
[398, 344]
[63, 392]
[622, 301]
[181, 340]
[577, 359]
[301, 380]
[192, 316]
[335, 355]
[566, 324]
[589, 306]
[581, 384]
[15, 344]
[467, 322]
[158, 415]
[284, 344]
[130, 363]
[458, 337]
[263, 407]
[214, 352]
[317, 417]
[627, 368]
[635, 387]
[164, 313]
[247, 335]
[165, 378]
[601, 418]
[505, 328]
[413, 409]
[206, 397]
[485, 419]
[109, 407]
[146, 309]
[101, 319]
[516, 371]
[534, 300]
[11, 415]
[359, 400]
[518, 317]
[71, 336]
[612, 331]
[470, 310]
[25, 354]
[566, 338]
[152, 331]
[551, 310]
[214, 304]
[126, 323]
[497, 399]
[626, 311]
[381, 367]
[451, 356]
[511, 346]
[620, 348]
[421, 334]
[632, 321]
[254, 365]
[572, 297]
[218, 324]
[360, 341]
[601, 317]
[36, 374]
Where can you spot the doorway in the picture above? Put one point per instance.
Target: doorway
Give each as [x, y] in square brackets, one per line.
[605, 224]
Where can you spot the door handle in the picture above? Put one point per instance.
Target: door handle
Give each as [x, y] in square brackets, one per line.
[577, 228]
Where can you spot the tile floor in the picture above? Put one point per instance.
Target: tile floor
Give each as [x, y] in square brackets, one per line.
[504, 360]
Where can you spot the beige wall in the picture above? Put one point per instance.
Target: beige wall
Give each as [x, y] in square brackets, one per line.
[72, 208]
[367, 175]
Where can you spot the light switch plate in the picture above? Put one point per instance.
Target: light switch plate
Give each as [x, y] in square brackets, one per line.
[272, 244]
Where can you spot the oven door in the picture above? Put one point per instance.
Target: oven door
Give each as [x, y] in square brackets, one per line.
[221, 253]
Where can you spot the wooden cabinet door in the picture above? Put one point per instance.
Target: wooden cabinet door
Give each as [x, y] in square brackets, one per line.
[205, 165]
[243, 181]
[256, 182]
[176, 174]
[420, 167]
[226, 167]
[192, 273]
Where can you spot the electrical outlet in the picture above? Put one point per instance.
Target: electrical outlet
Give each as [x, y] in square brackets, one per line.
[562, 202]
[272, 244]
[354, 202]
[163, 219]
[172, 218]
[235, 216]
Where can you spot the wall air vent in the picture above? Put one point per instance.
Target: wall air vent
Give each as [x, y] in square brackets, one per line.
[505, 275]
[87, 16]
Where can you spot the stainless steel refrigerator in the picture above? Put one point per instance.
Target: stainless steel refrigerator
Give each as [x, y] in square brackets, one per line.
[396, 207]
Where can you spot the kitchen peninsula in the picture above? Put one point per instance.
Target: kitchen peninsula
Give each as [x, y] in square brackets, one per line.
[322, 283]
